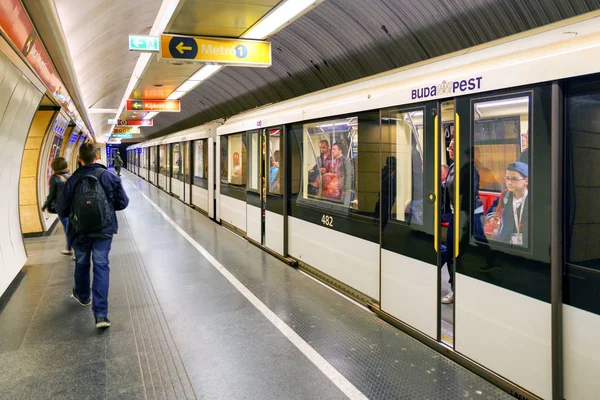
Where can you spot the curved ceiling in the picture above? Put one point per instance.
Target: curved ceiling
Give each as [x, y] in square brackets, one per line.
[340, 41]
[97, 35]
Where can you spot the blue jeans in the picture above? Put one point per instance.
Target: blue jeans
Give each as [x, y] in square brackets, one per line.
[65, 224]
[98, 249]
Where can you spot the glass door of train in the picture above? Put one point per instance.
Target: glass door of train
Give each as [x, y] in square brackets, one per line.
[410, 222]
[502, 235]
[265, 195]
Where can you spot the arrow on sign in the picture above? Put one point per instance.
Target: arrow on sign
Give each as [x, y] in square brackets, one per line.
[137, 105]
[138, 43]
[181, 48]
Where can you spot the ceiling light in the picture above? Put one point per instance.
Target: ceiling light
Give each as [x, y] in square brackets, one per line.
[150, 115]
[501, 103]
[188, 85]
[204, 72]
[281, 15]
[176, 95]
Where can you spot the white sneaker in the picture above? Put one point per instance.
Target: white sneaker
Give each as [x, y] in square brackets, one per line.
[66, 252]
[449, 298]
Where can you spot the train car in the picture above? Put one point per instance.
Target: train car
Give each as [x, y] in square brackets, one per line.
[454, 197]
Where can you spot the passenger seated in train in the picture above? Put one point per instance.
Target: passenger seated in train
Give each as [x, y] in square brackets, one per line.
[314, 180]
[509, 213]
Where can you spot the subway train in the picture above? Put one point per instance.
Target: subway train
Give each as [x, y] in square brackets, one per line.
[480, 168]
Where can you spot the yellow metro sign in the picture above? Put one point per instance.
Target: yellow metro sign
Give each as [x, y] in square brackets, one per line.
[250, 53]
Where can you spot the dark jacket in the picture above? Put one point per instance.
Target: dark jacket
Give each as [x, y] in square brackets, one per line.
[118, 162]
[56, 188]
[111, 183]
[508, 227]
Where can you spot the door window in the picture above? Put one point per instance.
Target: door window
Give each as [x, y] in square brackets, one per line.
[274, 161]
[177, 162]
[401, 196]
[501, 172]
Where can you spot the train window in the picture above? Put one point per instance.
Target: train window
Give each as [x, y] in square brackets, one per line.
[177, 160]
[330, 153]
[152, 158]
[501, 172]
[274, 161]
[401, 197]
[254, 151]
[200, 161]
[162, 160]
[233, 159]
[583, 174]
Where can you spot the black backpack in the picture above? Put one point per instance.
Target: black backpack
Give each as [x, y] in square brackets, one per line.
[90, 210]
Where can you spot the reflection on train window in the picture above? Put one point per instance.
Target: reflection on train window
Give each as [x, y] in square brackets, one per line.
[401, 195]
[233, 159]
[501, 168]
[583, 174]
[201, 161]
[177, 160]
[254, 160]
[152, 158]
[187, 159]
[330, 154]
[162, 160]
[274, 161]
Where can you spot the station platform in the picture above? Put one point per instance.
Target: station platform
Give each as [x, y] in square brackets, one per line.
[199, 313]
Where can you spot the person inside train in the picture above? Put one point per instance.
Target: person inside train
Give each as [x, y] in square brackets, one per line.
[57, 184]
[274, 173]
[337, 184]
[314, 180]
[325, 160]
[477, 222]
[510, 211]
[387, 196]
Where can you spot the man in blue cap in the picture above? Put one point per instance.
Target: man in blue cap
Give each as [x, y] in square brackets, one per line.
[510, 211]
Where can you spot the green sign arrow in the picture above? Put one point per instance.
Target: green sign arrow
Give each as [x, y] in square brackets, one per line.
[143, 43]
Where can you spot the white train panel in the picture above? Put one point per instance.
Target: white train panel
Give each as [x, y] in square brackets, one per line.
[253, 223]
[274, 232]
[409, 291]
[348, 259]
[507, 332]
[177, 187]
[200, 197]
[233, 211]
[581, 350]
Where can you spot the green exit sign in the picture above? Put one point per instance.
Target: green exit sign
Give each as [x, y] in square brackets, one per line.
[122, 135]
[143, 43]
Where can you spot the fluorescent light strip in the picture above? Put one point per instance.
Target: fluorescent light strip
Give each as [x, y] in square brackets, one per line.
[280, 16]
[150, 115]
[501, 103]
[202, 74]
[163, 17]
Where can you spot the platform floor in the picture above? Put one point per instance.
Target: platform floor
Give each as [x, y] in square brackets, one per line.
[197, 312]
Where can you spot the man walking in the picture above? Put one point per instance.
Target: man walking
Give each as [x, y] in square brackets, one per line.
[90, 198]
[118, 163]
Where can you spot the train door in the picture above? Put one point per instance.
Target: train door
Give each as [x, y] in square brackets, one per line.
[410, 246]
[187, 172]
[176, 173]
[255, 190]
[502, 234]
[153, 164]
[265, 196]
